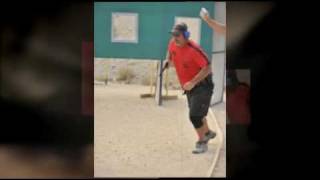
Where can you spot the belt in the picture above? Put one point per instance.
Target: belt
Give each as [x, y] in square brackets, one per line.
[205, 82]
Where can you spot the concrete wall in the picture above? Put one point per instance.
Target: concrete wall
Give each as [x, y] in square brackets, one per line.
[141, 69]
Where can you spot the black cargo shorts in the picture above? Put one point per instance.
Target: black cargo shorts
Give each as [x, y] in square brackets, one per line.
[199, 97]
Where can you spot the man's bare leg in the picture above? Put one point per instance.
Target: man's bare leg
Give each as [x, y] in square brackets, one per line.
[209, 134]
[203, 129]
[205, 125]
[201, 132]
[201, 145]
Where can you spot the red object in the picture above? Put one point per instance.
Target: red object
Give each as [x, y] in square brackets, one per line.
[87, 78]
[188, 60]
[238, 107]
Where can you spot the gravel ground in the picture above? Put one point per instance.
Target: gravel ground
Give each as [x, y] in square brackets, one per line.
[136, 138]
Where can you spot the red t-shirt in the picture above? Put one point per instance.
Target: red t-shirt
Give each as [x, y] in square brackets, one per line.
[188, 60]
[238, 109]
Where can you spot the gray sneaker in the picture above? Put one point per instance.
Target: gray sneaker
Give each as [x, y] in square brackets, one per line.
[209, 135]
[201, 147]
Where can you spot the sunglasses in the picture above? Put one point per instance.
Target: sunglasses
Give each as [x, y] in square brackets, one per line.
[176, 33]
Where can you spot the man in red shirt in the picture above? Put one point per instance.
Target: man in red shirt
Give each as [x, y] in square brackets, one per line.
[238, 99]
[194, 73]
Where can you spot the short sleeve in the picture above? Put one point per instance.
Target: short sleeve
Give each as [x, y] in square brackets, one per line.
[200, 58]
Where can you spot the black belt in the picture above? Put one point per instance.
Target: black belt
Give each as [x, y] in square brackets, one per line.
[205, 82]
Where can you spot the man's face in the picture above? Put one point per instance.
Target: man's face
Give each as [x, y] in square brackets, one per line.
[178, 38]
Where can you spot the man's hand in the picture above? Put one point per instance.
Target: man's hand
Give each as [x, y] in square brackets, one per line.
[204, 14]
[215, 25]
[166, 64]
[188, 86]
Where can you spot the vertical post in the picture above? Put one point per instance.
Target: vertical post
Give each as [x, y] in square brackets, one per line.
[158, 95]
[166, 83]
[160, 83]
[151, 77]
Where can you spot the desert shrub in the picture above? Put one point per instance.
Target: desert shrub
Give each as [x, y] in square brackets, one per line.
[125, 74]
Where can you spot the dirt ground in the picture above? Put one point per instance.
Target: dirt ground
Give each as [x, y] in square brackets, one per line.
[136, 138]
[219, 111]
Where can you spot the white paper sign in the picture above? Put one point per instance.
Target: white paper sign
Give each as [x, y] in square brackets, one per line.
[124, 27]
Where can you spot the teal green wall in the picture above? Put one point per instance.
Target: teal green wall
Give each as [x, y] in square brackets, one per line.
[156, 19]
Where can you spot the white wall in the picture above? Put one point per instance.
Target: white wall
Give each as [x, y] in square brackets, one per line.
[219, 60]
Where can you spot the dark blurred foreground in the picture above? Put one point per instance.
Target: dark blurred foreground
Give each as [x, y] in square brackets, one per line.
[44, 130]
[267, 38]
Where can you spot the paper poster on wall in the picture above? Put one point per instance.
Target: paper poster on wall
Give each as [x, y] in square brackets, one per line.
[124, 27]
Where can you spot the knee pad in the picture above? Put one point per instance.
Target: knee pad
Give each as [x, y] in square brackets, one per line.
[196, 121]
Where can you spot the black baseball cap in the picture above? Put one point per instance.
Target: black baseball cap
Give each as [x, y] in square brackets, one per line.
[179, 28]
